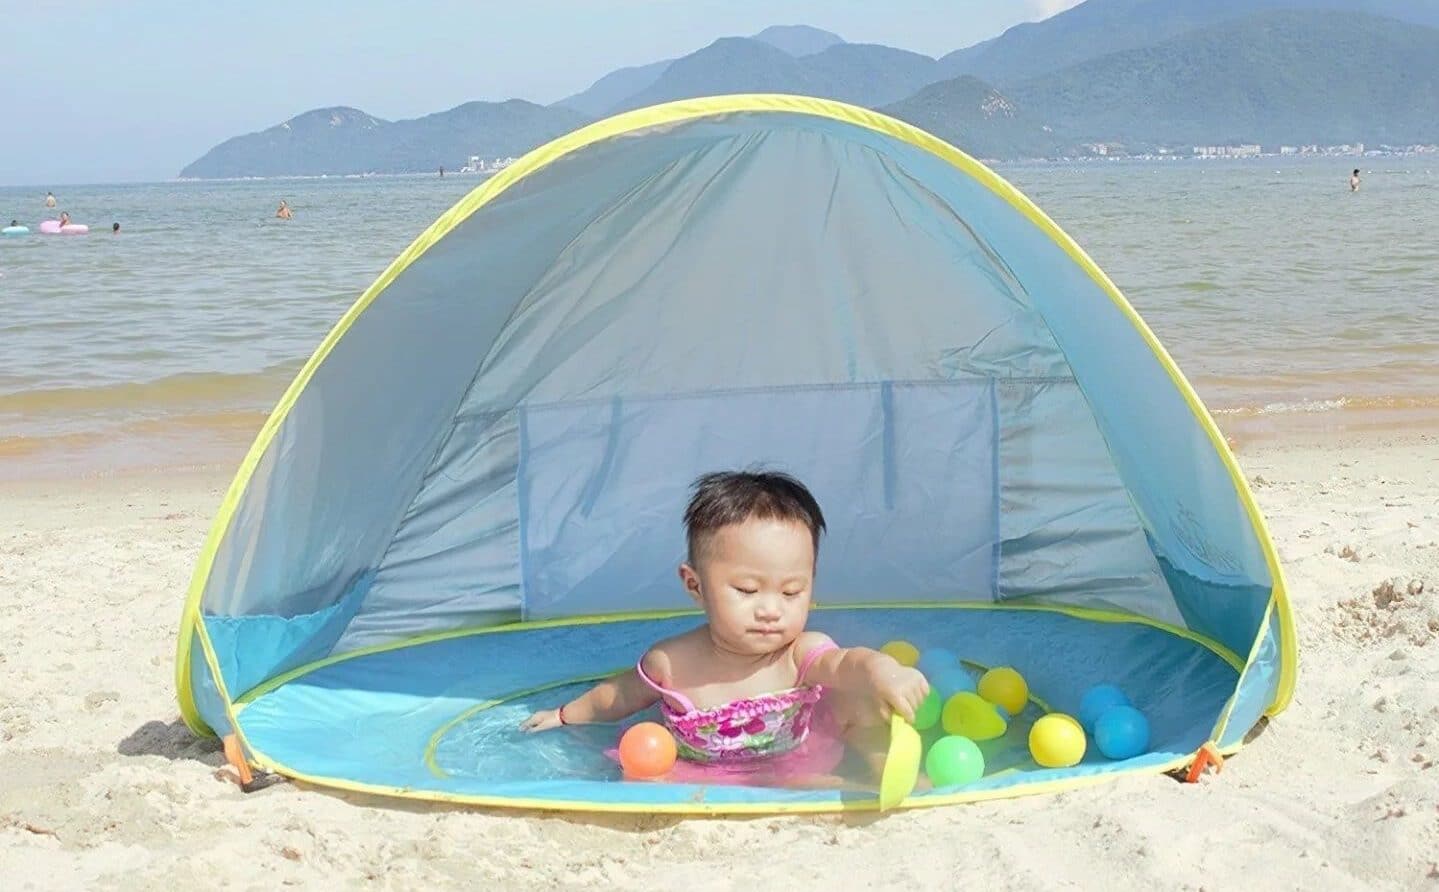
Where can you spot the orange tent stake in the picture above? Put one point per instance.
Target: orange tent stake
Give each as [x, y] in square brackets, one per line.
[1206, 756]
[236, 757]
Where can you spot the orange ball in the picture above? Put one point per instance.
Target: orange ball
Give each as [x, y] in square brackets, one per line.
[647, 750]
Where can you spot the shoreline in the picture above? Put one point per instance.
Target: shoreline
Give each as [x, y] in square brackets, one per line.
[219, 447]
[221, 470]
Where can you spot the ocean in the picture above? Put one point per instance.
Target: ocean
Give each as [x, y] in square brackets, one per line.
[1294, 306]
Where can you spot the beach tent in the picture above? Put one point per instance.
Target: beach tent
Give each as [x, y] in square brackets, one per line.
[468, 503]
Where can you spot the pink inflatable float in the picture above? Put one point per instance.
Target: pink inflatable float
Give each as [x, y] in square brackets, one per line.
[53, 227]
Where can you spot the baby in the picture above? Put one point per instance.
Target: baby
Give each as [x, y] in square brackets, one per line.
[750, 691]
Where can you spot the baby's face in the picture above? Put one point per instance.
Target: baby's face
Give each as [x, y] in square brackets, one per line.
[754, 582]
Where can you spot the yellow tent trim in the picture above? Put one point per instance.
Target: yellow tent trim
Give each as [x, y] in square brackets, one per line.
[660, 115]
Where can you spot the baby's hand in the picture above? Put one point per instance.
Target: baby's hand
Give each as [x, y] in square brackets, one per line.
[543, 720]
[898, 688]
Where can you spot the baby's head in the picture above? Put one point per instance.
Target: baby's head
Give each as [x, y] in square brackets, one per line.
[753, 542]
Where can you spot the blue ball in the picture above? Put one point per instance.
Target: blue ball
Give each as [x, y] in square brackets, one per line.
[951, 680]
[1097, 701]
[1122, 732]
[934, 660]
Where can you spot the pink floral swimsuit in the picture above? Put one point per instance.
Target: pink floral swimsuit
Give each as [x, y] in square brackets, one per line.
[749, 729]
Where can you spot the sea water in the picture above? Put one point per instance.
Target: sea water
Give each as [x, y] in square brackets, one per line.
[1290, 303]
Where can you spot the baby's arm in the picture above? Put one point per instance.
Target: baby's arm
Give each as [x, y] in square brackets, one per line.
[609, 701]
[860, 670]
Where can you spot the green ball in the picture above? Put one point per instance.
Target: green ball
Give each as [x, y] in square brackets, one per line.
[927, 716]
[954, 761]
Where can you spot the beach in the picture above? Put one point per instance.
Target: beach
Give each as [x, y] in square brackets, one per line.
[102, 786]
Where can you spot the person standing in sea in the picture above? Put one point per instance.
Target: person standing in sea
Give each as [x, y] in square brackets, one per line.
[49, 199]
[1354, 181]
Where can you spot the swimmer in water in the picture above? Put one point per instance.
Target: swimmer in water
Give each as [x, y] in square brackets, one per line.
[283, 212]
[115, 228]
[1354, 181]
[49, 199]
[64, 218]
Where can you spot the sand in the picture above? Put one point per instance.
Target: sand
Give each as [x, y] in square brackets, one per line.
[102, 787]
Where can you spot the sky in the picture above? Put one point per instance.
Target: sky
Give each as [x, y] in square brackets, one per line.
[105, 91]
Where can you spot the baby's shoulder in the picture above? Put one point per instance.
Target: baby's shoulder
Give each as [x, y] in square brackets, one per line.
[659, 661]
[808, 642]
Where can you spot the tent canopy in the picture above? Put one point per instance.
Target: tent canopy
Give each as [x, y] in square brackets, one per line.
[500, 434]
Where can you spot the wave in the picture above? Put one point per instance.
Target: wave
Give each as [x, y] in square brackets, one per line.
[175, 391]
[1336, 404]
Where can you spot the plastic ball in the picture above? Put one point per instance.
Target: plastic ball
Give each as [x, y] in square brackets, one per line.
[935, 659]
[1096, 701]
[950, 681]
[1006, 687]
[904, 653]
[953, 761]
[647, 750]
[1056, 741]
[967, 715]
[927, 716]
[1122, 732]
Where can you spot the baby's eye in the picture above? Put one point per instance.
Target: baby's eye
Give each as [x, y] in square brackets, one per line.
[793, 594]
[746, 591]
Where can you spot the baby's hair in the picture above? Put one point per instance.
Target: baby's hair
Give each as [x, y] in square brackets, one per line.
[722, 498]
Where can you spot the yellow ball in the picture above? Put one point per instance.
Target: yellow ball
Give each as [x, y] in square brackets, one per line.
[904, 653]
[1056, 741]
[967, 715]
[1005, 687]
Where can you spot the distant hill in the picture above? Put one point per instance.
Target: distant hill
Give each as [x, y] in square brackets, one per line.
[346, 141]
[1277, 77]
[1100, 27]
[865, 74]
[870, 74]
[729, 65]
[970, 114]
[1146, 73]
[798, 40]
[614, 88]
[617, 86]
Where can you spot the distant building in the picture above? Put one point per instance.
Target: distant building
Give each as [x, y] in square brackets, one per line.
[476, 164]
[1241, 151]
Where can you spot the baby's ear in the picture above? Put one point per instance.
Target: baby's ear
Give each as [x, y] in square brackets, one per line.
[691, 581]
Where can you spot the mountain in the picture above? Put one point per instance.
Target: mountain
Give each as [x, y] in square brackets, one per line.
[319, 141]
[798, 40]
[617, 86]
[1177, 72]
[729, 65]
[970, 114]
[1100, 27]
[864, 74]
[346, 141]
[1276, 77]
[614, 88]
[869, 74]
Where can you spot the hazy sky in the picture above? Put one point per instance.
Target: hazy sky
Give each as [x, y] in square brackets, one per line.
[112, 90]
